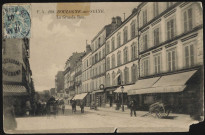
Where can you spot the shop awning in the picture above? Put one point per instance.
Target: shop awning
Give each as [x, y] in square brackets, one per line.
[97, 91]
[14, 90]
[166, 84]
[145, 83]
[80, 96]
[126, 88]
[174, 79]
[167, 89]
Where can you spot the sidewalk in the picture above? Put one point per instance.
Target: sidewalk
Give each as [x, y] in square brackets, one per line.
[141, 113]
[182, 117]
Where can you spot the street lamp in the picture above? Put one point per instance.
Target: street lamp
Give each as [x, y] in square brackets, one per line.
[122, 89]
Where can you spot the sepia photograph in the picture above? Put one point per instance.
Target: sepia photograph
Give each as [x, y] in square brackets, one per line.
[102, 67]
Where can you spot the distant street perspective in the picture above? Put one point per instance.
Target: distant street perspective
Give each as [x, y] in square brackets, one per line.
[96, 67]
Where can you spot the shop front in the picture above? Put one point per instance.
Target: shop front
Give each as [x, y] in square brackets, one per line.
[99, 98]
[122, 95]
[111, 97]
[88, 99]
[17, 96]
[175, 90]
[80, 97]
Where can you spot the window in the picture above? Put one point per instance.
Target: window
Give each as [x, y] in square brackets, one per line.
[108, 63]
[118, 39]
[156, 36]
[125, 34]
[119, 58]
[113, 78]
[169, 4]
[90, 60]
[145, 40]
[126, 72]
[99, 55]
[90, 73]
[103, 52]
[100, 71]
[188, 20]
[146, 67]
[108, 47]
[170, 29]
[87, 64]
[125, 55]
[133, 51]
[113, 61]
[156, 9]
[157, 64]
[96, 45]
[96, 57]
[113, 44]
[121, 75]
[96, 70]
[189, 55]
[133, 29]
[171, 59]
[134, 73]
[103, 67]
[99, 42]
[108, 79]
[144, 16]
[93, 60]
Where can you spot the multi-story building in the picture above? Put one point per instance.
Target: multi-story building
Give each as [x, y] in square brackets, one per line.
[122, 59]
[53, 92]
[86, 74]
[78, 76]
[18, 87]
[69, 74]
[98, 61]
[59, 81]
[171, 54]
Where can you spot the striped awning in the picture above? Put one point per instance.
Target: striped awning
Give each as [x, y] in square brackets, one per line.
[14, 90]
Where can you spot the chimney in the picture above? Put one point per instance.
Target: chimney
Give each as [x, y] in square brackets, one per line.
[87, 48]
[119, 21]
[113, 20]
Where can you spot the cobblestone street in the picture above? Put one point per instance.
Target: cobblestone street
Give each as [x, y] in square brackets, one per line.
[104, 120]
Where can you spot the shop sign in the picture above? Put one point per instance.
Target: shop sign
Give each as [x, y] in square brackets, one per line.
[12, 70]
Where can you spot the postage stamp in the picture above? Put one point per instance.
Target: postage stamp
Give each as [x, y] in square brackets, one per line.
[16, 21]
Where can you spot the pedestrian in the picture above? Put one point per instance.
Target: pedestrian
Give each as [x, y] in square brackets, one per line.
[9, 116]
[132, 108]
[63, 108]
[34, 108]
[75, 103]
[73, 106]
[28, 107]
[82, 106]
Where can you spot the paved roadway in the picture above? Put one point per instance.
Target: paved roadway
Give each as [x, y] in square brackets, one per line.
[101, 121]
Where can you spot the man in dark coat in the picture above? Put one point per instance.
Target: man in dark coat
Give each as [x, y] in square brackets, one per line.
[132, 108]
[82, 106]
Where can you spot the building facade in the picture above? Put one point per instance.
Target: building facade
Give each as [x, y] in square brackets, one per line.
[171, 50]
[122, 59]
[59, 81]
[69, 74]
[86, 74]
[156, 54]
[98, 62]
[18, 86]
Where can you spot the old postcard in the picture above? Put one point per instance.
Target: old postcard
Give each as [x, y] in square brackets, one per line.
[97, 67]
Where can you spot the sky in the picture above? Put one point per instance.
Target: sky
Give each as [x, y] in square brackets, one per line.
[54, 40]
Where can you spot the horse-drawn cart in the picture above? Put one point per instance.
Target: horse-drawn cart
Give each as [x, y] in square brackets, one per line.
[158, 110]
